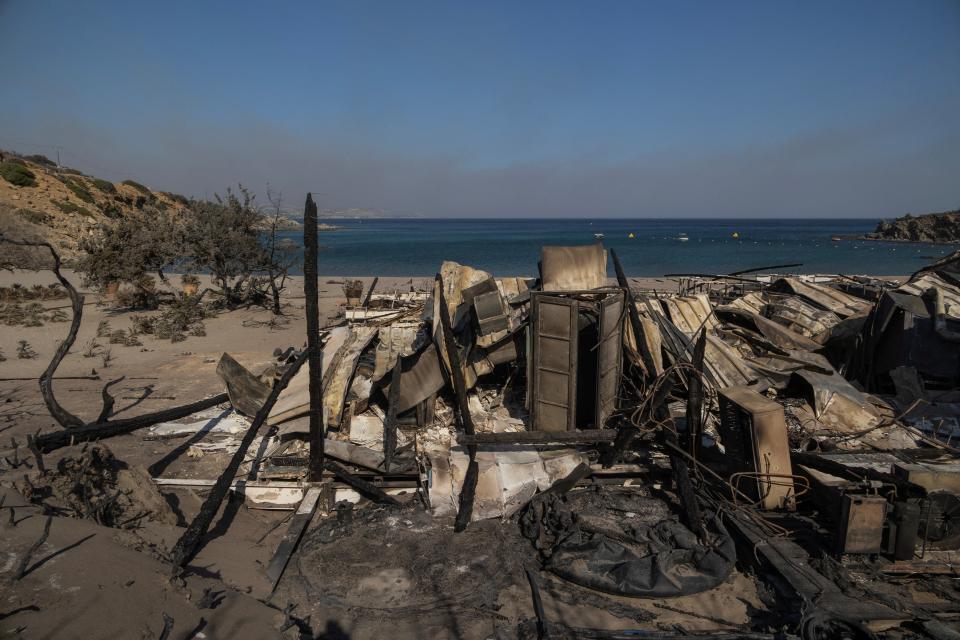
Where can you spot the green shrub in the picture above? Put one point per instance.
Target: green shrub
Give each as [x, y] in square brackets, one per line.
[31, 215]
[41, 159]
[139, 187]
[111, 210]
[104, 185]
[69, 207]
[79, 189]
[17, 174]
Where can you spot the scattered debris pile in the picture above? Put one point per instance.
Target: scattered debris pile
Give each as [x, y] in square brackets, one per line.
[95, 485]
[806, 418]
[796, 429]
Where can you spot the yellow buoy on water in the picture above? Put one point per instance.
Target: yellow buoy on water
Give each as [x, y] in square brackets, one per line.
[735, 235]
[631, 236]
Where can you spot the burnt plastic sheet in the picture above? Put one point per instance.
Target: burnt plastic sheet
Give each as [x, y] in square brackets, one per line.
[644, 556]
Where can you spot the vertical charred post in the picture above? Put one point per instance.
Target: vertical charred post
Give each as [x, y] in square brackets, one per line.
[465, 421]
[313, 337]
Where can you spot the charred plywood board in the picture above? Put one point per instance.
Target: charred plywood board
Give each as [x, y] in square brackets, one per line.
[573, 268]
[246, 391]
[554, 358]
[422, 377]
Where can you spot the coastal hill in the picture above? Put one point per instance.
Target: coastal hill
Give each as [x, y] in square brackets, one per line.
[930, 227]
[63, 205]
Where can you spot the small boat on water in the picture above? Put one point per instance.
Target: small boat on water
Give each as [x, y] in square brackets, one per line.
[598, 236]
[682, 237]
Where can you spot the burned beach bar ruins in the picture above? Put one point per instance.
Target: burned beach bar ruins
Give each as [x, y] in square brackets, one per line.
[578, 440]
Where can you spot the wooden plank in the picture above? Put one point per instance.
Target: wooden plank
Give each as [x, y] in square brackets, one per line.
[462, 413]
[390, 423]
[298, 524]
[188, 543]
[585, 436]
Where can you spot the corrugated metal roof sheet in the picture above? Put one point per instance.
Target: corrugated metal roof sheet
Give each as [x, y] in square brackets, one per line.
[928, 279]
[691, 313]
[840, 303]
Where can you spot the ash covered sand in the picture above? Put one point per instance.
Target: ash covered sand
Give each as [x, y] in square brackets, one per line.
[404, 574]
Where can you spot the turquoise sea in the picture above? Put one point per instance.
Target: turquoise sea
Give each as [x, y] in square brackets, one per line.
[416, 247]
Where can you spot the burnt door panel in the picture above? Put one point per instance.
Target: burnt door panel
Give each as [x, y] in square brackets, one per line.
[554, 363]
[609, 354]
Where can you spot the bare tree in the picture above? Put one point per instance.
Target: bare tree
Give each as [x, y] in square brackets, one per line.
[282, 253]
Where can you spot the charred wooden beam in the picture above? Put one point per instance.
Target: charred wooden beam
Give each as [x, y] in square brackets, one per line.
[464, 419]
[187, 544]
[638, 334]
[390, 422]
[373, 285]
[48, 442]
[298, 524]
[585, 436]
[312, 306]
[537, 605]
[695, 395]
[365, 488]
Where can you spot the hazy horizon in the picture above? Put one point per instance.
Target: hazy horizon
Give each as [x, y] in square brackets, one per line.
[542, 109]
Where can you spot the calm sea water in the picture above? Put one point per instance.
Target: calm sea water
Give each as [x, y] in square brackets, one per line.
[416, 247]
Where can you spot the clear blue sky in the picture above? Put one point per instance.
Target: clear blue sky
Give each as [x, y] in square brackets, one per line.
[641, 109]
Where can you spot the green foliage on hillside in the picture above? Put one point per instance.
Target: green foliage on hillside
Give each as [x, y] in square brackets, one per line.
[104, 185]
[31, 215]
[68, 207]
[79, 189]
[17, 174]
[41, 159]
[139, 187]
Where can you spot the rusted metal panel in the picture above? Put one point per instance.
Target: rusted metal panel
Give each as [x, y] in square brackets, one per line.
[754, 434]
[861, 523]
[609, 355]
[491, 315]
[554, 324]
[573, 268]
